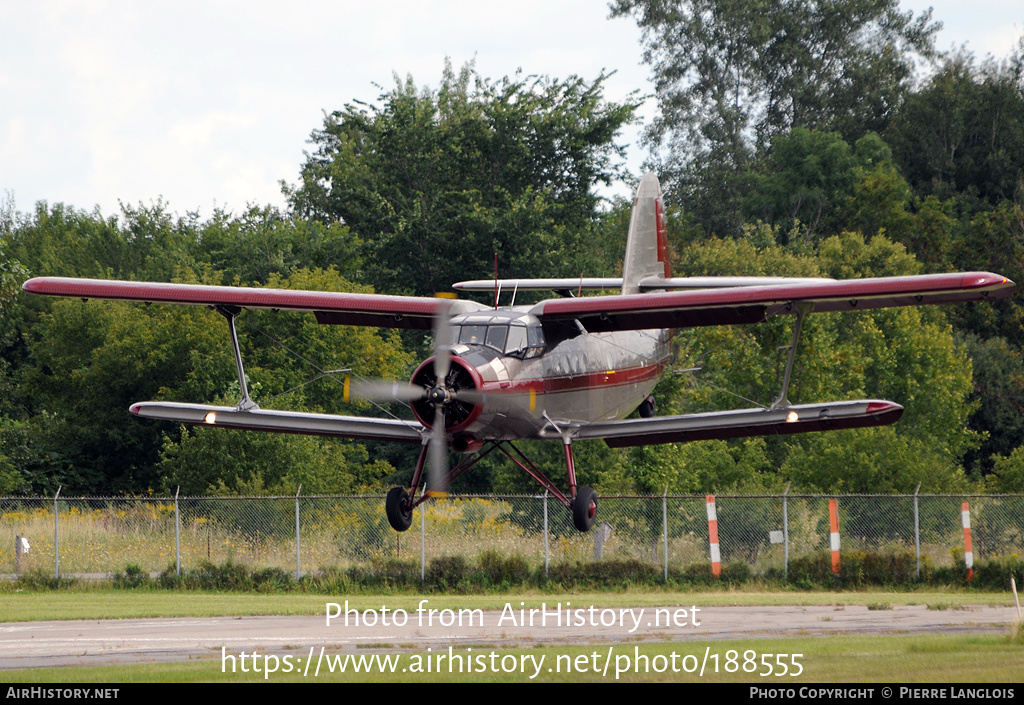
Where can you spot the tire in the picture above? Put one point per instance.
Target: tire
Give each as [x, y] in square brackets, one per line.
[646, 408]
[584, 508]
[398, 509]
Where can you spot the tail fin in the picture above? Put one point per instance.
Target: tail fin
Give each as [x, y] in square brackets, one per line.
[647, 242]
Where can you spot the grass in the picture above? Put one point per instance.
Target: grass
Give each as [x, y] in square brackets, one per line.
[107, 603]
[838, 659]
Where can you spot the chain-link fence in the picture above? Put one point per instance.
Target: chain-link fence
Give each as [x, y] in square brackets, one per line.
[305, 534]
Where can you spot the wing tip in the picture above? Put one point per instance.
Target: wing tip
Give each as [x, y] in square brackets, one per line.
[984, 280]
[35, 285]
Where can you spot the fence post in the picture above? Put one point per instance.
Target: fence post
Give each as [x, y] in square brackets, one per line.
[917, 532]
[965, 519]
[833, 520]
[177, 533]
[716, 557]
[785, 531]
[547, 555]
[56, 536]
[664, 524]
[298, 550]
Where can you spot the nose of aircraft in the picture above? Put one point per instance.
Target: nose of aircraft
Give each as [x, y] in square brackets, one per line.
[455, 394]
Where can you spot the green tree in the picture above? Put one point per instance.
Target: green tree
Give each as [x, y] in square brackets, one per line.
[143, 243]
[964, 130]
[804, 181]
[435, 182]
[999, 394]
[731, 75]
[1008, 472]
[223, 461]
[263, 242]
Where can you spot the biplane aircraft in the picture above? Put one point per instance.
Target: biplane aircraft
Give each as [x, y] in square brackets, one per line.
[568, 368]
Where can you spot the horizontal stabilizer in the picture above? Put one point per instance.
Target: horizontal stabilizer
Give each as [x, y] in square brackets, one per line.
[742, 423]
[724, 282]
[647, 284]
[568, 283]
[282, 421]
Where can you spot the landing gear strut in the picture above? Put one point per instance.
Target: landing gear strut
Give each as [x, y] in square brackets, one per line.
[581, 502]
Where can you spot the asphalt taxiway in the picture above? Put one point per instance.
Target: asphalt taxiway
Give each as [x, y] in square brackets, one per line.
[93, 642]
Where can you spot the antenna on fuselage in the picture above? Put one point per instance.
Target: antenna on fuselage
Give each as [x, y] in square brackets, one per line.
[496, 289]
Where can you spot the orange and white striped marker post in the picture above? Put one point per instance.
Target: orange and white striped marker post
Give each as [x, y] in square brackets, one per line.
[716, 555]
[833, 520]
[965, 516]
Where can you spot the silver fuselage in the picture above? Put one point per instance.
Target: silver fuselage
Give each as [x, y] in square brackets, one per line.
[533, 391]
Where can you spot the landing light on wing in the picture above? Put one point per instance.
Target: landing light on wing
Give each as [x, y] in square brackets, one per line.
[210, 418]
[792, 417]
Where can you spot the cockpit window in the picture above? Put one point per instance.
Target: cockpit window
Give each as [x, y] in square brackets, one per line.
[535, 341]
[516, 339]
[472, 335]
[516, 343]
[496, 337]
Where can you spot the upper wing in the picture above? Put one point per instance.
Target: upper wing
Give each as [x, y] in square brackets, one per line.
[753, 304]
[742, 423]
[329, 307]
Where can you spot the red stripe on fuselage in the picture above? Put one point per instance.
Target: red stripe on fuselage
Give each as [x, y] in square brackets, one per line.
[580, 382]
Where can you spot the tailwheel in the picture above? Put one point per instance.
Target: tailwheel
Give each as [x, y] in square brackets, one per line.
[584, 508]
[399, 509]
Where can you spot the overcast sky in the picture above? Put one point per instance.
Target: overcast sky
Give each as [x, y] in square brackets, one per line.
[210, 104]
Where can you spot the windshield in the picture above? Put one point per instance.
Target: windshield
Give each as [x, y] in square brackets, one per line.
[517, 339]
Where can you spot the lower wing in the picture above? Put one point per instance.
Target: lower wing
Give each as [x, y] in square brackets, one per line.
[282, 421]
[742, 423]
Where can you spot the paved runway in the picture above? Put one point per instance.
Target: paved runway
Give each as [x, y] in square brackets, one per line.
[38, 644]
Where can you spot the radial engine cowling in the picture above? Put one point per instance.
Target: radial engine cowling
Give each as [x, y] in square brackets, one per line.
[459, 413]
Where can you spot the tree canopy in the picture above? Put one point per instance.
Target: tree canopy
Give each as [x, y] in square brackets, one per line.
[435, 182]
[731, 75]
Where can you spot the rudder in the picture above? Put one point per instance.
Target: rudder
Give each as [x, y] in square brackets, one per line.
[647, 253]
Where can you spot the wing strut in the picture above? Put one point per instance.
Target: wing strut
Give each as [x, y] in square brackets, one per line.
[230, 312]
[783, 399]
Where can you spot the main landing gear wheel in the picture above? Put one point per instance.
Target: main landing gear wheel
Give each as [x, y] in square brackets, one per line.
[399, 509]
[647, 408]
[584, 508]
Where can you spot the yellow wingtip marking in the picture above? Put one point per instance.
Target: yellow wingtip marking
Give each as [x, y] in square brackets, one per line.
[533, 399]
[345, 388]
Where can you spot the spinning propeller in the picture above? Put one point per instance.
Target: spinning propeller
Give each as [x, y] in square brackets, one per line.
[439, 395]
[442, 395]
